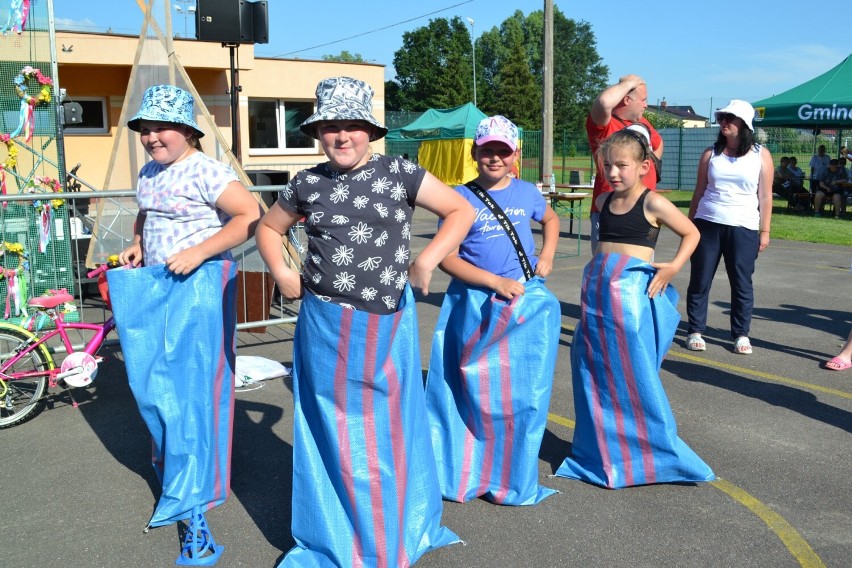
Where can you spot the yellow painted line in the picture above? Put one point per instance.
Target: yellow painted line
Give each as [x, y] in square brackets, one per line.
[761, 374]
[745, 371]
[795, 543]
[561, 420]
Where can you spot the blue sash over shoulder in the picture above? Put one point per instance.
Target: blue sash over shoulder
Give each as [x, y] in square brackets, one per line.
[488, 391]
[365, 491]
[625, 433]
[177, 336]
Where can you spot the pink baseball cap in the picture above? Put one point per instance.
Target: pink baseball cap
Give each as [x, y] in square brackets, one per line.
[496, 129]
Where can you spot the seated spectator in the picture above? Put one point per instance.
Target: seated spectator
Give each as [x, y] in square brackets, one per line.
[781, 183]
[797, 188]
[841, 166]
[798, 174]
[829, 186]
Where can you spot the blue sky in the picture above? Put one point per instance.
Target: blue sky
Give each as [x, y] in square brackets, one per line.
[690, 53]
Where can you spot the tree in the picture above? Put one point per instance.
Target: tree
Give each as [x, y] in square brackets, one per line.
[517, 94]
[345, 57]
[509, 63]
[434, 67]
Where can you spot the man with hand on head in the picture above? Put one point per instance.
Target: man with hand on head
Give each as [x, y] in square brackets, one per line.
[615, 108]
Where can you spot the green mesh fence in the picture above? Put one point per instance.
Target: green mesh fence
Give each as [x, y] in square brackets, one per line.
[32, 163]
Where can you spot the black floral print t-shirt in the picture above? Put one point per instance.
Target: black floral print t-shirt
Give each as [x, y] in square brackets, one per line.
[359, 230]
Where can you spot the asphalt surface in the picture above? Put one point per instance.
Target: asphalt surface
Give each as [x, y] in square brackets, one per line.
[78, 488]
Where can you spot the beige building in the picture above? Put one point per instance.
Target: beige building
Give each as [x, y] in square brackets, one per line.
[277, 94]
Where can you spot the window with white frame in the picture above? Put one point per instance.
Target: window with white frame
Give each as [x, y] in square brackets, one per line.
[274, 126]
[94, 117]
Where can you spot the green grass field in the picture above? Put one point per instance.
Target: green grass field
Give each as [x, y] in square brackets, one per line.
[787, 225]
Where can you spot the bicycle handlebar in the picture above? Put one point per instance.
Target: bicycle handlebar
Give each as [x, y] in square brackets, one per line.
[98, 270]
[112, 262]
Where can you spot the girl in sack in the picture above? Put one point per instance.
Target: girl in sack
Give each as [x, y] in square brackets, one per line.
[625, 433]
[365, 491]
[175, 316]
[494, 349]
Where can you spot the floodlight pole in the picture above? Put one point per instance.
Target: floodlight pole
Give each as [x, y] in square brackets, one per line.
[547, 94]
[186, 10]
[473, 51]
[234, 92]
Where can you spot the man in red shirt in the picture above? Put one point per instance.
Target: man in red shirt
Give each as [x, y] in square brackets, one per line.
[615, 108]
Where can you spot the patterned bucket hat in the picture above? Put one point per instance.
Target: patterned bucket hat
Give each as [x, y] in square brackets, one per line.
[496, 129]
[166, 103]
[343, 98]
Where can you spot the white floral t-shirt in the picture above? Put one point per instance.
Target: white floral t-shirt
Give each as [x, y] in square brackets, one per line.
[359, 228]
[179, 202]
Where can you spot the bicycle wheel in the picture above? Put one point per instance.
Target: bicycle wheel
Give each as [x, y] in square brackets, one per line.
[24, 398]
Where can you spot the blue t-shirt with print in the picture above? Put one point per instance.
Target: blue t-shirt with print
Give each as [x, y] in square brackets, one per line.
[486, 245]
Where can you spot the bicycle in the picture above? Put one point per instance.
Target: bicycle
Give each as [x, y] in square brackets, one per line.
[28, 370]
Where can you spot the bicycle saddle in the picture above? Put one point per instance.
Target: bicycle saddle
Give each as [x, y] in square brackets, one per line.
[50, 300]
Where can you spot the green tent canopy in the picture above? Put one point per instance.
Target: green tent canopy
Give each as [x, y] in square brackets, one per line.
[446, 137]
[441, 124]
[823, 102]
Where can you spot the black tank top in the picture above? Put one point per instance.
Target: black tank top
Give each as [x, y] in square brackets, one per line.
[631, 228]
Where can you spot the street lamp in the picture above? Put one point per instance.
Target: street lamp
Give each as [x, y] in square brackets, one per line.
[186, 11]
[473, 50]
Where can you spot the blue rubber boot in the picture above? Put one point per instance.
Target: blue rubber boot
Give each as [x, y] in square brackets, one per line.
[199, 548]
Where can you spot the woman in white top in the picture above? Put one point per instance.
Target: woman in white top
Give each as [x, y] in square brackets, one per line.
[732, 208]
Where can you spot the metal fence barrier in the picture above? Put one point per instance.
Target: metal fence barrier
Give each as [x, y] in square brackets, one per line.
[109, 217]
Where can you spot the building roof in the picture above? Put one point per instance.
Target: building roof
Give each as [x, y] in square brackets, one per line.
[675, 111]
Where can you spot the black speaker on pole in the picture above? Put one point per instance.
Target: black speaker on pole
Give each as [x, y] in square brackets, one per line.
[260, 21]
[218, 20]
[232, 21]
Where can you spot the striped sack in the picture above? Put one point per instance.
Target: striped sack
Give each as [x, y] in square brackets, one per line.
[625, 433]
[488, 391]
[365, 492]
[177, 336]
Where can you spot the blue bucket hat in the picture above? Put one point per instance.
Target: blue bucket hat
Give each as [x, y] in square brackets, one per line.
[166, 103]
[343, 98]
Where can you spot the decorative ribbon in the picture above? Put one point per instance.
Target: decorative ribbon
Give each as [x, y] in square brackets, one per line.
[45, 221]
[18, 12]
[26, 115]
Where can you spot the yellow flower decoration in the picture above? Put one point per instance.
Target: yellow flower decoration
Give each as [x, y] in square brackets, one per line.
[12, 152]
[49, 184]
[22, 84]
[14, 248]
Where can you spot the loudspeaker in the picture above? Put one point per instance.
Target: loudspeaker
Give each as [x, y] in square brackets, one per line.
[232, 21]
[218, 20]
[260, 21]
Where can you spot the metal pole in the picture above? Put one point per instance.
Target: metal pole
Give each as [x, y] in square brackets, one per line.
[473, 50]
[234, 91]
[547, 94]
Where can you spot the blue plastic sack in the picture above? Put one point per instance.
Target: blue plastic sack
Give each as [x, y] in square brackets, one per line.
[177, 335]
[488, 391]
[365, 491]
[625, 432]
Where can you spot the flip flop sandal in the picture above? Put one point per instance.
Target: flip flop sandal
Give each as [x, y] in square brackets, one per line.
[837, 364]
[694, 342]
[742, 346]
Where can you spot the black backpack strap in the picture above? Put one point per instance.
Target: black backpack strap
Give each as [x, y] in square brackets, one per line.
[505, 223]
